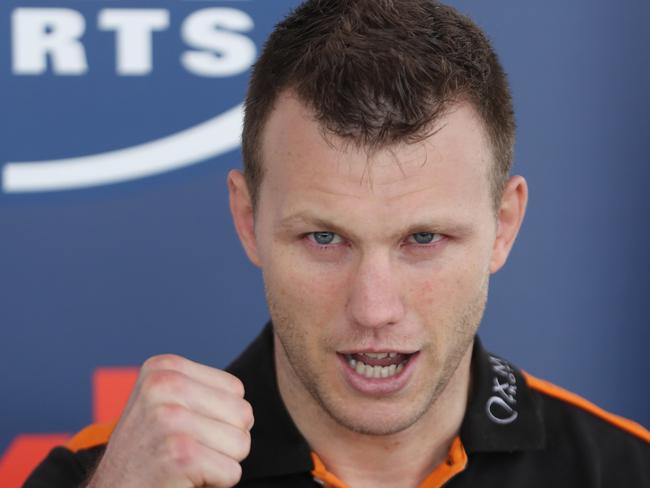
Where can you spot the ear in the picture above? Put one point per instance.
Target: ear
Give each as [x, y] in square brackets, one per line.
[510, 217]
[241, 209]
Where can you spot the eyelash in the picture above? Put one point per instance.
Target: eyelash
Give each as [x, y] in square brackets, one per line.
[437, 237]
[312, 240]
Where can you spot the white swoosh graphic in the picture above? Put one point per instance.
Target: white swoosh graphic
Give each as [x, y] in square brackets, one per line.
[190, 146]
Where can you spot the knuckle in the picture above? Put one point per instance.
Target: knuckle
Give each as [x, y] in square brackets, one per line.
[232, 472]
[236, 386]
[179, 451]
[242, 444]
[169, 416]
[162, 361]
[162, 380]
[246, 412]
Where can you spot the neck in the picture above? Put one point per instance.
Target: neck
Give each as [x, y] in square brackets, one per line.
[402, 459]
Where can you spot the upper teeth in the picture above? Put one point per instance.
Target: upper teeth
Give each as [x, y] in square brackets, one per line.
[380, 355]
[375, 371]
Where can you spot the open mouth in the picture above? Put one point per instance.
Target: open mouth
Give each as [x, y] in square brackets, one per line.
[378, 364]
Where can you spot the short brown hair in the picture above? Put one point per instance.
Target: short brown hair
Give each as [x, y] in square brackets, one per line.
[379, 72]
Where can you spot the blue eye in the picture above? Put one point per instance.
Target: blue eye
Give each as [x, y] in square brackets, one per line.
[426, 237]
[325, 238]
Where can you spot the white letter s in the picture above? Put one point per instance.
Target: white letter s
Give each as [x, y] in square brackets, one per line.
[225, 53]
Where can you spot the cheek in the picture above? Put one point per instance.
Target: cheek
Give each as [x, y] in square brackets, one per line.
[305, 288]
[445, 289]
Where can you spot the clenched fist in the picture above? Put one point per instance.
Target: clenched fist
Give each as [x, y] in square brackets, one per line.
[185, 425]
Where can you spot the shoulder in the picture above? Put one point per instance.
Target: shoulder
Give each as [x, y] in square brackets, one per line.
[535, 434]
[591, 439]
[560, 403]
[71, 464]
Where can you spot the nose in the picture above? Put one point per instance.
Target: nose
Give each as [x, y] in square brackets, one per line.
[375, 298]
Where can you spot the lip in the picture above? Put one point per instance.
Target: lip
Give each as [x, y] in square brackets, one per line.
[378, 386]
[375, 350]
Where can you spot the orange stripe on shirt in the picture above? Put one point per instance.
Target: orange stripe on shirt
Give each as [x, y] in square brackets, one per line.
[329, 480]
[560, 393]
[454, 464]
[92, 436]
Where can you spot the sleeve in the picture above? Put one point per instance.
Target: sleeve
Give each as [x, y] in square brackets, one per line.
[63, 468]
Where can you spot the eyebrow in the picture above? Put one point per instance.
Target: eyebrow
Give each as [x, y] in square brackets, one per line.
[444, 226]
[312, 220]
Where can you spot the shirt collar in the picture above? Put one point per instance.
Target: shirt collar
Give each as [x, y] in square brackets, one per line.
[501, 415]
[277, 447]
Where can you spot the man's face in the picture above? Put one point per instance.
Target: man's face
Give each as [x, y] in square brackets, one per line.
[367, 254]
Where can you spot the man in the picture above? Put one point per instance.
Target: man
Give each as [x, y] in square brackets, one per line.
[376, 199]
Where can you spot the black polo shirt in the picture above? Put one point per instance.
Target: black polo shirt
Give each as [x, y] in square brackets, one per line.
[518, 431]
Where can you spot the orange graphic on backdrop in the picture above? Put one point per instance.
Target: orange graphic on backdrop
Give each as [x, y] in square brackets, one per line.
[110, 389]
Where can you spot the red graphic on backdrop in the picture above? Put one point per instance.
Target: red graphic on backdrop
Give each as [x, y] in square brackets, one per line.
[110, 389]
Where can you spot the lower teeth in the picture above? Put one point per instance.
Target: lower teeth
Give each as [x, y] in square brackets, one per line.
[375, 371]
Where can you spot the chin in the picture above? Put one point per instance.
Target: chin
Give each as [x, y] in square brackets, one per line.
[376, 418]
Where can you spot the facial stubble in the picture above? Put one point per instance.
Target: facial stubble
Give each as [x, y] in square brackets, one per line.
[292, 337]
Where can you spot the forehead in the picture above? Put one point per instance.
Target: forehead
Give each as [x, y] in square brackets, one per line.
[304, 167]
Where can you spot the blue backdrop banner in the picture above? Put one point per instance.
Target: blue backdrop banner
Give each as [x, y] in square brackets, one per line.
[120, 120]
